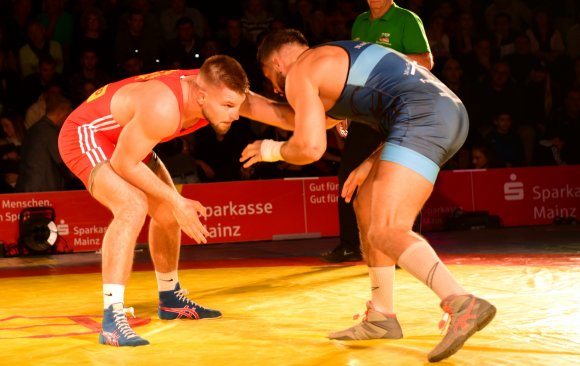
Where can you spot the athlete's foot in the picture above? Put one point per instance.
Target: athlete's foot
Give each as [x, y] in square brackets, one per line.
[466, 315]
[375, 325]
[174, 304]
[116, 330]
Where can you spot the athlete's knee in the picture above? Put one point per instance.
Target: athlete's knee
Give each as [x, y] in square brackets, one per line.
[133, 208]
[164, 221]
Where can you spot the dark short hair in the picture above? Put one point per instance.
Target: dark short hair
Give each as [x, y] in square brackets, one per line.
[276, 39]
[227, 71]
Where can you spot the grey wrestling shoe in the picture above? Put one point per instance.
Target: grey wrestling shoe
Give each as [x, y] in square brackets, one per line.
[375, 325]
[466, 314]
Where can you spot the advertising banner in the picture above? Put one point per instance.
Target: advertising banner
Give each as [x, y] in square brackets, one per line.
[307, 207]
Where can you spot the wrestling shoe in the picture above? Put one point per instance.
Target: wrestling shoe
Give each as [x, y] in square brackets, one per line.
[116, 330]
[175, 305]
[341, 254]
[464, 315]
[375, 325]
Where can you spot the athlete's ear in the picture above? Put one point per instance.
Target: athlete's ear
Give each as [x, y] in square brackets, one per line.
[201, 96]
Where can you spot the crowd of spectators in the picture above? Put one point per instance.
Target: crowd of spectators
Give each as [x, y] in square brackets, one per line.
[515, 64]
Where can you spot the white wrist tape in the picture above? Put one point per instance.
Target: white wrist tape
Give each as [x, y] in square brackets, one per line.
[270, 150]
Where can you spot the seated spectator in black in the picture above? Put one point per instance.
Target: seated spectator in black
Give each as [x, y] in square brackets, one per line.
[478, 63]
[38, 47]
[11, 138]
[8, 84]
[136, 38]
[11, 135]
[522, 59]
[317, 28]
[177, 10]
[88, 72]
[37, 110]
[209, 47]
[41, 167]
[567, 120]
[35, 84]
[497, 93]
[131, 65]
[539, 92]
[255, 19]
[92, 35]
[504, 35]
[555, 149]
[177, 156]
[218, 155]
[505, 142]
[483, 157]
[244, 51]
[183, 51]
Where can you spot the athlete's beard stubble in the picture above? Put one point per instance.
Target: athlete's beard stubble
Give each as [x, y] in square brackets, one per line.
[221, 127]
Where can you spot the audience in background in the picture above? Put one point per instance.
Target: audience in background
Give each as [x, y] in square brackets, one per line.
[511, 62]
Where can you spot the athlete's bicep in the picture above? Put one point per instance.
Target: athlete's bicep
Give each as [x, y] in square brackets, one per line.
[310, 116]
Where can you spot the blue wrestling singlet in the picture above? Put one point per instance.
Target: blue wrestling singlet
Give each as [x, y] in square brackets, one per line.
[424, 121]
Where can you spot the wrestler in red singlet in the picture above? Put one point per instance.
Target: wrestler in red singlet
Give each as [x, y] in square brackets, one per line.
[89, 135]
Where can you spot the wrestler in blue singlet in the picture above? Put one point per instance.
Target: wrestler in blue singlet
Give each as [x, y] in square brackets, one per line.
[425, 123]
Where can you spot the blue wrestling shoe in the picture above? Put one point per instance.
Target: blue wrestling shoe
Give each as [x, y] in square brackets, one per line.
[175, 305]
[116, 330]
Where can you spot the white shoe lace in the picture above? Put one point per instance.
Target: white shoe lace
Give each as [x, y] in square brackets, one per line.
[122, 323]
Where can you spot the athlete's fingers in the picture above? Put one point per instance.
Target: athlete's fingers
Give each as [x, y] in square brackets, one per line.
[348, 188]
[251, 151]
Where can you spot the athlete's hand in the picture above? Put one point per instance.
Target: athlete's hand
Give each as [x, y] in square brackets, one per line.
[251, 154]
[187, 214]
[355, 179]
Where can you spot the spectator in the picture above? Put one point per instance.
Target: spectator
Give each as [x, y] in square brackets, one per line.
[8, 84]
[503, 35]
[497, 93]
[131, 65]
[478, 64]
[547, 41]
[184, 51]
[41, 167]
[58, 23]
[36, 83]
[38, 46]
[93, 35]
[517, 10]
[555, 149]
[505, 142]
[38, 109]
[482, 157]
[573, 39]
[567, 120]
[177, 156]
[316, 31]
[462, 41]
[244, 51]
[89, 72]
[521, 60]
[11, 138]
[178, 10]
[255, 20]
[438, 38]
[217, 156]
[136, 38]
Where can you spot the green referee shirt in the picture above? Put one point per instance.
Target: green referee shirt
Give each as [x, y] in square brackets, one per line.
[399, 29]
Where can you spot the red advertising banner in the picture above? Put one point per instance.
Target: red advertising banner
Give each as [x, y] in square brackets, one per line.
[307, 207]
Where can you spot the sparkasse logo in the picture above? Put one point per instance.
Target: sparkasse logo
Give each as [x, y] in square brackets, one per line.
[514, 190]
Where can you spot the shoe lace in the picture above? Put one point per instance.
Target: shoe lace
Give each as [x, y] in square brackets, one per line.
[182, 296]
[444, 322]
[122, 323]
[365, 315]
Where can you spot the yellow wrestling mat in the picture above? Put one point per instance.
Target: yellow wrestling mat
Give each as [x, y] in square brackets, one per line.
[281, 316]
